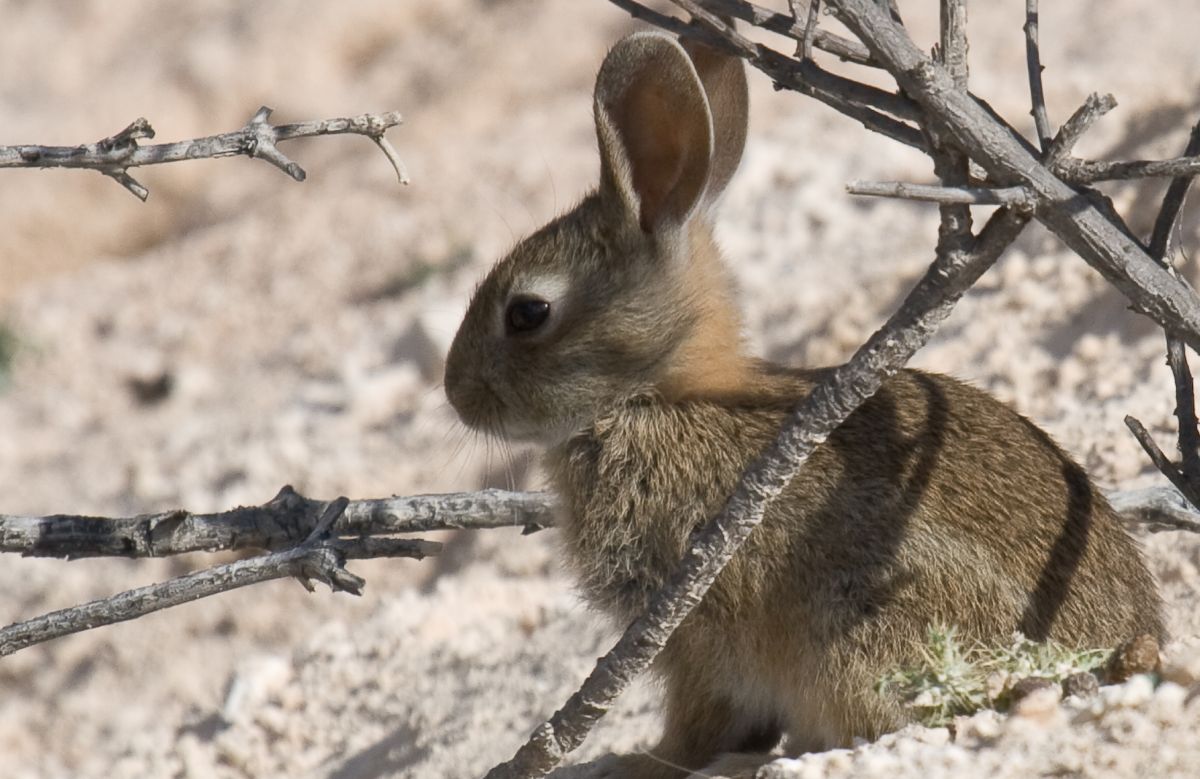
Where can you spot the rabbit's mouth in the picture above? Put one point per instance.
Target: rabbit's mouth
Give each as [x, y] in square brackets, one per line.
[482, 409]
[500, 421]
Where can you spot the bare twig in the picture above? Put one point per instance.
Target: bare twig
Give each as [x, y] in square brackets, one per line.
[805, 48]
[1078, 171]
[333, 510]
[1033, 59]
[791, 27]
[1019, 197]
[1094, 107]
[1185, 395]
[949, 163]
[285, 520]
[1185, 411]
[952, 41]
[1161, 461]
[321, 560]
[1188, 470]
[114, 156]
[764, 58]
[1173, 200]
[1159, 508]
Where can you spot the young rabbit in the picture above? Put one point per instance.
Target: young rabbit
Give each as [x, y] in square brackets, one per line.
[611, 336]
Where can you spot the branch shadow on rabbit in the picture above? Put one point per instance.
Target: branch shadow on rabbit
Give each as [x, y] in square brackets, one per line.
[866, 564]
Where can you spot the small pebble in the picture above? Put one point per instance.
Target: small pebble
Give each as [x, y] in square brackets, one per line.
[1029, 685]
[1040, 705]
[1134, 692]
[1139, 655]
[985, 726]
[1081, 685]
[1184, 671]
[1169, 700]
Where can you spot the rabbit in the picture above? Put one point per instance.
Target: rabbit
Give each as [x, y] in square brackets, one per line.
[611, 336]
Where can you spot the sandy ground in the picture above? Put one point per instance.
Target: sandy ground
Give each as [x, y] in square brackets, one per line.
[302, 329]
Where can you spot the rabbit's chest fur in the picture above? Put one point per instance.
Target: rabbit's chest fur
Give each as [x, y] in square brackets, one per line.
[639, 481]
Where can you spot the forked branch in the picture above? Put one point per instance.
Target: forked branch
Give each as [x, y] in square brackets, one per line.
[317, 558]
[115, 155]
[1186, 474]
[285, 520]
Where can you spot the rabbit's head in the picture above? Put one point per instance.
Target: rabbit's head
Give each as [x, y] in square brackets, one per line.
[626, 293]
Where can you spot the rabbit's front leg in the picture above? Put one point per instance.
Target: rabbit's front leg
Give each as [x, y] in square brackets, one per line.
[699, 726]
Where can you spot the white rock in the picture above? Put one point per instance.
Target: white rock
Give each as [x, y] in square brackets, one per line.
[1183, 668]
[1168, 701]
[256, 680]
[1135, 692]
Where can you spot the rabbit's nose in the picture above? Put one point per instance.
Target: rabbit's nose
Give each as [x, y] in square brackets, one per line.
[467, 392]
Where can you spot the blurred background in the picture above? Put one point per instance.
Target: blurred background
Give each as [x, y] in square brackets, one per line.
[239, 332]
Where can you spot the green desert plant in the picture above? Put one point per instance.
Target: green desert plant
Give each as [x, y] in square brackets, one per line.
[954, 678]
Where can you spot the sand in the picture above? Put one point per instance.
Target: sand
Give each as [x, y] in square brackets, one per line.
[302, 327]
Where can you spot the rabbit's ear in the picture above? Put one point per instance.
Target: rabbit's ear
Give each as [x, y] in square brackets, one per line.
[724, 80]
[655, 131]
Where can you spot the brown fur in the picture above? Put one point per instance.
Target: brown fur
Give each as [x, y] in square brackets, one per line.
[932, 503]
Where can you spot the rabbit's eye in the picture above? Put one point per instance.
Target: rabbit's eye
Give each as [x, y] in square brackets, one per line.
[526, 314]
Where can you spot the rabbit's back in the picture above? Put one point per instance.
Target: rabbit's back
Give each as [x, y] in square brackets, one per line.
[933, 503]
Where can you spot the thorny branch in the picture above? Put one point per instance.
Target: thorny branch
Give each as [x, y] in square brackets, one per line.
[1094, 233]
[1018, 197]
[115, 155]
[305, 538]
[794, 27]
[316, 558]
[285, 520]
[1033, 60]
[1186, 475]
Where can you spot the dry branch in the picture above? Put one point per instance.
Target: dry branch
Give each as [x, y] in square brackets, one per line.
[1185, 394]
[317, 559]
[1186, 475]
[115, 155]
[949, 163]
[1033, 60]
[1158, 508]
[1090, 171]
[285, 520]
[792, 27]
[1071, 215]
[1081, 219]
[1018, 197]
